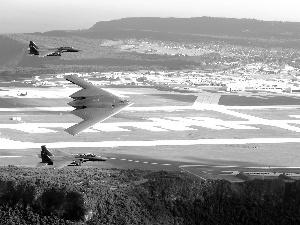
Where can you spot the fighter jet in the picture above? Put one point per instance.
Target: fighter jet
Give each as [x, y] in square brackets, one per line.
[42, 52]
[93, 105]
[61, 159]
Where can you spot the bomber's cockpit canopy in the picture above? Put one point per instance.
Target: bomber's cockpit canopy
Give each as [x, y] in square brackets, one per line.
[124, 101]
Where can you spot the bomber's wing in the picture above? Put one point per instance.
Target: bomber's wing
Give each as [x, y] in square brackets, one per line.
[89, 89]
[76, 80]
[92, 116]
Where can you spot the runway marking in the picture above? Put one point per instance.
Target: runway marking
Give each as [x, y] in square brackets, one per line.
[242, 167]
[184, 170]
[137, 161]
[261, 173]
[273, 167]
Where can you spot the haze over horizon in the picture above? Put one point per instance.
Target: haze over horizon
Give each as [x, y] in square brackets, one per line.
[19, 16]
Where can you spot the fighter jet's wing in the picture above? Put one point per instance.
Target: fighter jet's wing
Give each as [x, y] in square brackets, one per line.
[92, 116]
[43, 53]
[60, 164]
[56, 164]
[40, 164]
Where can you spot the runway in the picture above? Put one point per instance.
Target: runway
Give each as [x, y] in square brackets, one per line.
[12, 144]
[158, 132]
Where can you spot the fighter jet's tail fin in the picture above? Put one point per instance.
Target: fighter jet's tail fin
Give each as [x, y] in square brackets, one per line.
[32, 44]
[33, 48]
[45, 154]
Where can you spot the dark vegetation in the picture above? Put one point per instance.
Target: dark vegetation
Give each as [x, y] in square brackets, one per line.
[97, 196]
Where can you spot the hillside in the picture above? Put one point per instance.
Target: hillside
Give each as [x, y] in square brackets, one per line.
[98, 196]
[95, 56]
[143, 43]
[205, 25]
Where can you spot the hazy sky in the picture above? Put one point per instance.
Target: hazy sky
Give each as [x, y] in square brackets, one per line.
[44, 15]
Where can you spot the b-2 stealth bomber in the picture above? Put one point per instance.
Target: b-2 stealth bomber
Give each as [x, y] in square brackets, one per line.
[41, 52]
[93, 104]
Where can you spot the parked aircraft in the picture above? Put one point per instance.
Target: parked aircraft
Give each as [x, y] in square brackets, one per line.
[22, 93]
[93, 105]
[41, 52]
[61, 159]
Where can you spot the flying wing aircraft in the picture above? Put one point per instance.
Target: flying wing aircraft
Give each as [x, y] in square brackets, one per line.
[61, 159]
[93, 105]
[41, 52]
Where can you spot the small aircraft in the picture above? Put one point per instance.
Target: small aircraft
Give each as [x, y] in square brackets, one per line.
[93, 105]
[42, 52]
[22, 93]
[61, 159]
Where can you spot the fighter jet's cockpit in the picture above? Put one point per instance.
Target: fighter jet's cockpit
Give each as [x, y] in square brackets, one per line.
[87, 155]
[68, 49]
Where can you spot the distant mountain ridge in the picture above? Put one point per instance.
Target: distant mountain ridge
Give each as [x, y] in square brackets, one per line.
[207, 31]
[204, 25]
